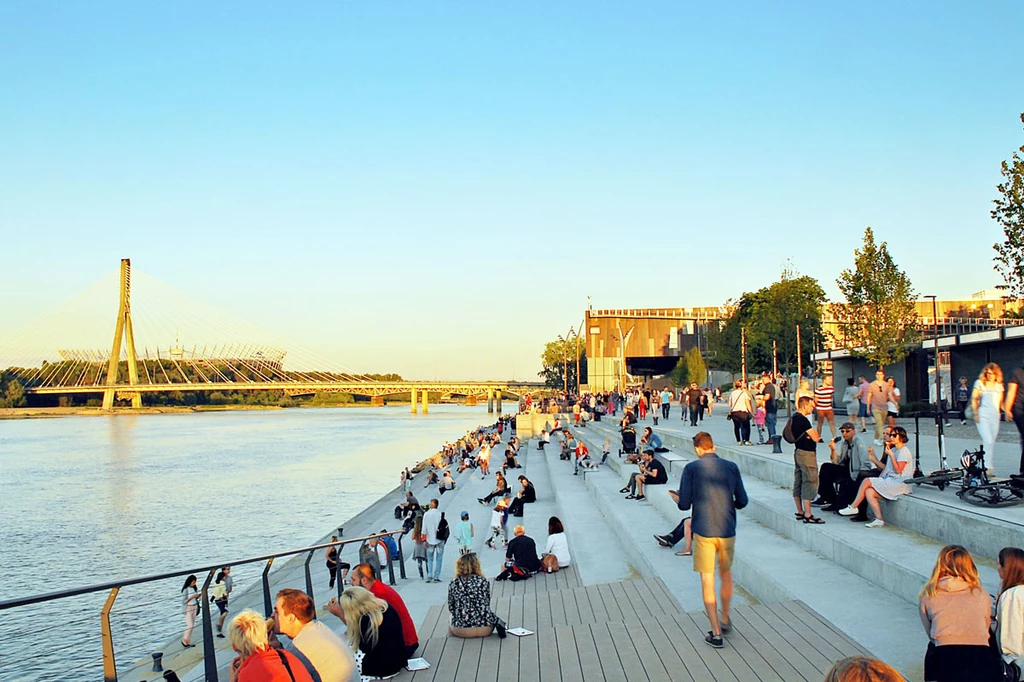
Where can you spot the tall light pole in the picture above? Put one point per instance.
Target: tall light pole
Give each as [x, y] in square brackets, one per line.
[743, 351]
[938, 382]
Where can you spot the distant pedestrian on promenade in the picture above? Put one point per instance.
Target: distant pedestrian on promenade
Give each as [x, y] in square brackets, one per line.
[714, 488]
[863, 396]
[823, 397]
[1013, 406]
[190, 600]
[879, 393]
[435, 545]
[464, 533]
[987, 401]
[741, 409]
[892, 407]
[771, 404]
[693, 399]
[850, 400]
[666, 402]
[334, 565]
[219, 594]
[962, 394]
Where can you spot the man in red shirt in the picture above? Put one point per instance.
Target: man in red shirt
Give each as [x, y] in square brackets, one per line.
[363, 575]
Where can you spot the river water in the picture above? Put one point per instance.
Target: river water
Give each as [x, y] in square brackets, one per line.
[89, 499]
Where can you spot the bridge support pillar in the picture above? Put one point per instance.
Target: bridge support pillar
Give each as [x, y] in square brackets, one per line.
[377, 401]
[497, 398]
[490, 401]
[424, 401]
[412, 400]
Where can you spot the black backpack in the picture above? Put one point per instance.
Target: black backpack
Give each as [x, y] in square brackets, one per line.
[442, 529]
[787, 432]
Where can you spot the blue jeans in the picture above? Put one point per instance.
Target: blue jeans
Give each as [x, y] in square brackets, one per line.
[435, 553]
[769, 421]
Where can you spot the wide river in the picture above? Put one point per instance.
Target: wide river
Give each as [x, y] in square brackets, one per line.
[85, 500]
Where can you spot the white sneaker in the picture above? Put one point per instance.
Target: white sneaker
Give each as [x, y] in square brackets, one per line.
[877, 523]
[848, 511]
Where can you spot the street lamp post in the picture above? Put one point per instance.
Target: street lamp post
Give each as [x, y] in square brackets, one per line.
[938, 382]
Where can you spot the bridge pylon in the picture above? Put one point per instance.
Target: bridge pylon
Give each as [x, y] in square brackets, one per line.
[123, 330]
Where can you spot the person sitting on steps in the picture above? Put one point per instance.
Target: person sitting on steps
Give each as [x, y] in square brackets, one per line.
[890, 483]
[652, 472]
[500, 489]
[680, 532]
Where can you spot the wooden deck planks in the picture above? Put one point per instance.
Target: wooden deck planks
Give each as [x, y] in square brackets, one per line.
[842, 642]
[630, 630]
[631, 664]
[590, 662]
[568, 656]
[771, 620]
[773, 648]
[611, 665]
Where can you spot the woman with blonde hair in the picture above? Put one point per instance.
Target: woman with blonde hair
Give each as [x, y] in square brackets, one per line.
[374, 632]
[955, 611]
[469, 600]
[257, 661]
[1010, 611]
[986, 401]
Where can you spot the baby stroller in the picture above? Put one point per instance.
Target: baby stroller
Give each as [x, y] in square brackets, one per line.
[628, 441]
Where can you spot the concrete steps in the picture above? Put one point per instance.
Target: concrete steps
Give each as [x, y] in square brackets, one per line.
[770, 566]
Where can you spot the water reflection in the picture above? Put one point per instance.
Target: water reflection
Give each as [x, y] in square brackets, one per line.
[144, 494]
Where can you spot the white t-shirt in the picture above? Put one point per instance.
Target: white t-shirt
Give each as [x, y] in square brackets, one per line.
[558, 545]
[430, 520]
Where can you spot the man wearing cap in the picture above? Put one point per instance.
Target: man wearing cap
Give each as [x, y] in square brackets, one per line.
[835, 478]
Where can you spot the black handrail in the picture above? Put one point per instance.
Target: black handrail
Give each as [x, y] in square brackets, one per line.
[209, 651]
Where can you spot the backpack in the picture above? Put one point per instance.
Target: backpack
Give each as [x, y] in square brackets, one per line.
[443, 532]
[787, 432]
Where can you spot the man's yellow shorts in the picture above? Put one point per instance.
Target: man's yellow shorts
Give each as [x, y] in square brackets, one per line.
[706, 549]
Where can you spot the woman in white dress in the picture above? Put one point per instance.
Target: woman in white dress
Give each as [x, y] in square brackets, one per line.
[986, 399]
[890, 483]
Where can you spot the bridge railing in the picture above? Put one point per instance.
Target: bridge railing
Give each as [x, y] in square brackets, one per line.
[209, 651]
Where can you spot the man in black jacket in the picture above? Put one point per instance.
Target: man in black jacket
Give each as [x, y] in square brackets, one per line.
[523, 550]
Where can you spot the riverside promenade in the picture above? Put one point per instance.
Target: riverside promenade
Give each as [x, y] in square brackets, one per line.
[629, 609]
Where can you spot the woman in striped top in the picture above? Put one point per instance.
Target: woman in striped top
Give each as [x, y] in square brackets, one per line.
[823, 406]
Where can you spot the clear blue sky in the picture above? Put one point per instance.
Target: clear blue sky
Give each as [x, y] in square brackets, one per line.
[435, 188]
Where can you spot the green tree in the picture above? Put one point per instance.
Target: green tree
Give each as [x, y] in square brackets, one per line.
[558, 358]
[680, 374]
[879, 320]
[696, 370]
[769, 314]
[15, 394]
[1009, 213]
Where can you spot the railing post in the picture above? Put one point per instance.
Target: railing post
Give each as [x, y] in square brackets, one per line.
[309, 580]
[268, 606]
[401, 556]
[109, 666]
[209, 651]
[391, 569]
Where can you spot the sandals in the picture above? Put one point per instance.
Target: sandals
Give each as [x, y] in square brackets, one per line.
[799, 516]
[813, 520]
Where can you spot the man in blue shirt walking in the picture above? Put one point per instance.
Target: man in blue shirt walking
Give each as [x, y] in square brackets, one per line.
[714, 488]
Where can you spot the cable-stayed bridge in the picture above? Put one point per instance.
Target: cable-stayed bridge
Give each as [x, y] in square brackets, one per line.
[62, 353]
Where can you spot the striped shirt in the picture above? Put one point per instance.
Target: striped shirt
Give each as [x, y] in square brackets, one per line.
[823, 397]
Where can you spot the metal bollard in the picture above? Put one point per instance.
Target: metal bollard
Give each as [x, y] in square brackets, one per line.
[776, 445]
[158, 662]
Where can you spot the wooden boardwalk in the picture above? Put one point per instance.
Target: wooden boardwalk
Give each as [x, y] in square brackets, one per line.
[630, 630]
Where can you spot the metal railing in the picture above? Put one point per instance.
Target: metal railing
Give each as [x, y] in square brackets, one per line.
[209, 652]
